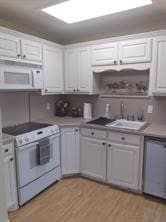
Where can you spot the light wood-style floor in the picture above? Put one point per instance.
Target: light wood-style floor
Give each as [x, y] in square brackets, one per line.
[82, 200]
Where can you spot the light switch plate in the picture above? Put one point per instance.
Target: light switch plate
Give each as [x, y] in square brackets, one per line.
[150, 109]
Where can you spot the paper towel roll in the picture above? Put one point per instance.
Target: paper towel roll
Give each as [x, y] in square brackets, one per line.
[87, 112]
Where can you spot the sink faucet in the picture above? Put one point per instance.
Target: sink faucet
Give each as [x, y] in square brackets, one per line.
[122, 110]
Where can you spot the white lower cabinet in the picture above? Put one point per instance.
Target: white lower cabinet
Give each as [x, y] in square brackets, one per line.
[70, 150]
[123, 165]
[93, 158]
[10, 177]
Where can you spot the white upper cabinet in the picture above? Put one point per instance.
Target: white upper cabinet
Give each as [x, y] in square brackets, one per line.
[127, 52]
[9, 47]
[70, 70]
[20, 50]
[31, 51]
[52, 69]
[159, 65]
[78, 73]
[105, 54]
[84, 75]
[135, 51]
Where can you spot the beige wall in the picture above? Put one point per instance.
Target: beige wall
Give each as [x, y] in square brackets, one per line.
[15, 106]
[132, 106]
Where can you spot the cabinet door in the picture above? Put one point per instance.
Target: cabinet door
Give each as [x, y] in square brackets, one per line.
[123, 165]
[70, 70]
[53, 70]
[159, 64]
[31, 51]
[70, 151]
[84, 73]
[10, 181]
[93, 158]
[105, 54]
[9, 47]
[135, 51]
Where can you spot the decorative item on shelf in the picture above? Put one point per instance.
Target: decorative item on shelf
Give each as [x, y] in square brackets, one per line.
[76, 111]
[126, 88]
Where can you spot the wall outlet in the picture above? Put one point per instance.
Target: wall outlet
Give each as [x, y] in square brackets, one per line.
[150, 109]
[48, 106]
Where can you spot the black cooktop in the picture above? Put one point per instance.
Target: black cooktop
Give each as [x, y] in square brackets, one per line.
[101, 121]
[24, 128]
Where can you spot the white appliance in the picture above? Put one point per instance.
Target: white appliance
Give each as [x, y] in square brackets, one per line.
[155, 167]
[87, 111]
[14, 77]
[32, 176]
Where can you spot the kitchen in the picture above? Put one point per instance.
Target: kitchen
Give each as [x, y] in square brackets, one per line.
[55, 163]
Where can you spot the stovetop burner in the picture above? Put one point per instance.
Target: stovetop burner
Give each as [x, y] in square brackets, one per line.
[24, 128]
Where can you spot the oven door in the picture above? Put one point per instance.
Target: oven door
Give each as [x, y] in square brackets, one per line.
[28, 168]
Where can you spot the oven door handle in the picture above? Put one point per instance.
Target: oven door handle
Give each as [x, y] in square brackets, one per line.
[24, 147]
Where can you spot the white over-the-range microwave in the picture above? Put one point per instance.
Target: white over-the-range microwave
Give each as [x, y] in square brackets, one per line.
[15, 77]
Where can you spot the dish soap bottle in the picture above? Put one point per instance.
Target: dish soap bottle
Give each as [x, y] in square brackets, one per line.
[107, 111]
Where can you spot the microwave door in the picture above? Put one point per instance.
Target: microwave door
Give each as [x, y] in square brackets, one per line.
[16, 78]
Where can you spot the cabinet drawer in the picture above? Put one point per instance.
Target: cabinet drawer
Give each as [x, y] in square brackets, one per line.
[94, 133]
[124, 138]
[8, 149]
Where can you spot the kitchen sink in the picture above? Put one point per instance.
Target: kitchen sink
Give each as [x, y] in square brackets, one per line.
[126, 124]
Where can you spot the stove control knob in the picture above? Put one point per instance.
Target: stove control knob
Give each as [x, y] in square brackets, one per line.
[26, 139]
[20, 141]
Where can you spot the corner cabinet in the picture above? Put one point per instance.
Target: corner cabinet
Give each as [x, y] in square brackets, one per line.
[70, 150]
[159, 66]
[16, 49]
[119, 53]
[10, 176]
[79, 78]
[52, 70]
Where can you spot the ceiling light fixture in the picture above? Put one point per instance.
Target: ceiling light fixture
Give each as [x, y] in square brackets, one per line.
[72, 11]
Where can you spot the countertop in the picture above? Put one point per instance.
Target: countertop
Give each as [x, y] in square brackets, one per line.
[7, 138]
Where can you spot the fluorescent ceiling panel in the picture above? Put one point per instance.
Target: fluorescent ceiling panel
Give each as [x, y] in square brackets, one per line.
[72, 11]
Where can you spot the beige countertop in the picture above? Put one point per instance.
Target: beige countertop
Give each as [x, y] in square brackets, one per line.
[7, 138]
[155, 130]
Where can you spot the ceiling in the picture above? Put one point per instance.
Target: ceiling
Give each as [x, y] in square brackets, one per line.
[26, 16]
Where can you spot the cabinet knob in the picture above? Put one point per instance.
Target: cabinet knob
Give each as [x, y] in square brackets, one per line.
[18, 55]
[92, 133]
[123, 138]
[121, 62]
[46, 90]
[103, 144]
[109, 145]
[24, 56]
[77, 90]
[115, 62]
[76, 130]
[74, 90]
[6, 151]
[11, 159]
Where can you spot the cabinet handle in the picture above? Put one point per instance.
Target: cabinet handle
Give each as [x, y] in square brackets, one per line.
[103, 144]
[6, 151]
[24, 56]
[11, 159]
[77, 90]
[109, 145]
[121, 62]
[115, 62]
[76, 130]
[123, 138]
[46, 90]
[92, 133]
[18, 55]
[74, 90]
